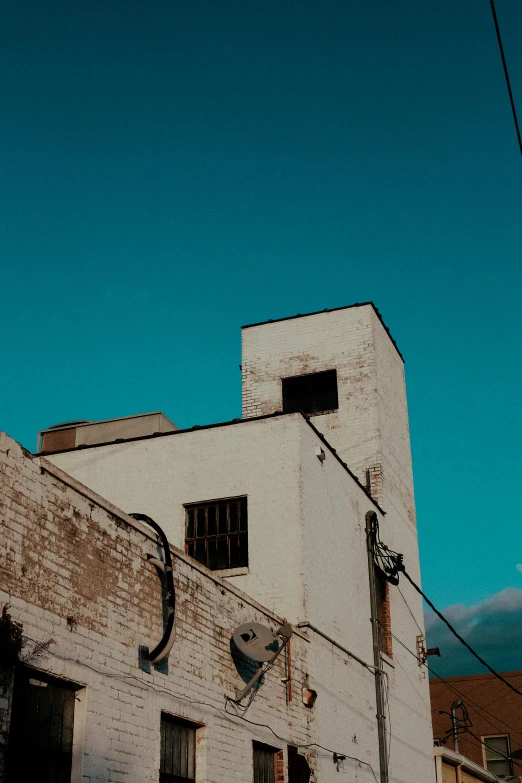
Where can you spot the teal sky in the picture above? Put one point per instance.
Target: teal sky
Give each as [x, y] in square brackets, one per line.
[170, 170]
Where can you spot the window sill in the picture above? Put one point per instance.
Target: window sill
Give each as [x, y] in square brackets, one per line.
[323, 413]
[225, 572]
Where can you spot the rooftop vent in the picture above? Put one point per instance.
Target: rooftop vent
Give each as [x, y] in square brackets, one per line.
[75, 434]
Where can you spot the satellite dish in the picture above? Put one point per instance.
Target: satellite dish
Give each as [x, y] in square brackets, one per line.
[256, 641]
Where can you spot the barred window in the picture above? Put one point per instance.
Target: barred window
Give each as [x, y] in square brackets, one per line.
[216, 533]
[265, 763]
[178, 750]
[42, 728]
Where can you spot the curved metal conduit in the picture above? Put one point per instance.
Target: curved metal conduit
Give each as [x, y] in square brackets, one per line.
[164, 647]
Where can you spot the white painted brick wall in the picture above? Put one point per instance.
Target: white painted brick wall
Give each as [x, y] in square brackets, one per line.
[307, 548]
[307, 558]
[62, 554]
[370, 431]
[259, 459]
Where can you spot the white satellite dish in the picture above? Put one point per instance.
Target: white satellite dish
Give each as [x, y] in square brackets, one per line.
[256, 641]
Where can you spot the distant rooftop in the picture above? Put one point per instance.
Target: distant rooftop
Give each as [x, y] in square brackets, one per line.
[330, 310]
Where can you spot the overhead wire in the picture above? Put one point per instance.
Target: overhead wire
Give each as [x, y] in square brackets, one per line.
[498, 698]
[255, 689]
[458, 636]
[307, 745]
[482, 743]
[479, 708]
[391, 564]
[451, 686]
[410, 611]
[506, 74]
[144, 684]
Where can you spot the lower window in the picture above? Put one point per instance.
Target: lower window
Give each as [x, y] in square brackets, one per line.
[268, 764]
[497, 755]
[298, 768]
[178, 750]
[41, 730]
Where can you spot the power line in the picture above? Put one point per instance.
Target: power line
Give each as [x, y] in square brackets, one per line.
[458, 636]
[410, 611]
[478, 707]
[391, 565]
[144, 684]
[300, 745]
[498, 698]
[457, 692]
[451, 686]
[506, 74]
[482, 743]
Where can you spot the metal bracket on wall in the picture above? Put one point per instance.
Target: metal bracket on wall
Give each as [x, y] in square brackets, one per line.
[165, 570]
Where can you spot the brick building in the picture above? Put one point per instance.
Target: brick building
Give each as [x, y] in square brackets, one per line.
[495, 713]
[451, 767]
[267, 517]
[75, 571]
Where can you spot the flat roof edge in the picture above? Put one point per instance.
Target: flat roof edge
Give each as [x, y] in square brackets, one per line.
[341, 462]
[330, 310]
[86, 423]
[482, 676]
[196, 427]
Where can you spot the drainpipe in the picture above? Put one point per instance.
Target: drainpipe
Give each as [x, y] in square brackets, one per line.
[379, 673]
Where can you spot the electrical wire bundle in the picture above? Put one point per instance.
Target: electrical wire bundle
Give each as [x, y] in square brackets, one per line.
[460, 724]
[392, 565]
[239, 709]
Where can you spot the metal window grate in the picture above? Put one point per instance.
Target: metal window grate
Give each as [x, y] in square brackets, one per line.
[311, 393]
[264, 763]
[216, 533]
[178, 751]
[41, 730]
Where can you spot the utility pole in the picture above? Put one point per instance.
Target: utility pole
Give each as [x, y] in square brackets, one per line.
[454, 708]
[377, 661]
[456, 725]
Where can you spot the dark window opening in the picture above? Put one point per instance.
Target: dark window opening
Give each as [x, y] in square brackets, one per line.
[311, 393]
[382, 590]
[41, 729]
[178, 750]
[267, 764]
[298, 768]
[216, 533]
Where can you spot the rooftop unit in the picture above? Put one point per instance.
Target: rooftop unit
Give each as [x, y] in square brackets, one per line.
[75, 434]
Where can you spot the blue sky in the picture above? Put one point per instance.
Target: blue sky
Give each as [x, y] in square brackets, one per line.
[170, 170]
